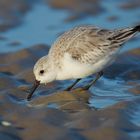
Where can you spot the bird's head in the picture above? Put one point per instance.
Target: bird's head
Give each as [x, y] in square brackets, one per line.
[43, 72]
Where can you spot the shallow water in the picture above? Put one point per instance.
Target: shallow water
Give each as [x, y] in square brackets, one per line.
[109, 109]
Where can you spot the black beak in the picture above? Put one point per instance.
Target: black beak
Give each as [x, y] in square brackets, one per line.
[35, 86]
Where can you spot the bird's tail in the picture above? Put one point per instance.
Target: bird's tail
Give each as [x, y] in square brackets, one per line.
[137, 28]
[121, 36]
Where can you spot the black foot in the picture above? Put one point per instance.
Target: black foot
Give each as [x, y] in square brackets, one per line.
[67, 89]
[93, 82]
[70, 87]
[86, 87]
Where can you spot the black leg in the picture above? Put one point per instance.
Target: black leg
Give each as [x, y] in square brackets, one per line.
[70, 87]
[99, 74]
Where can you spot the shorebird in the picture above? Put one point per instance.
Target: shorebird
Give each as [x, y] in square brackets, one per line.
[80, 52]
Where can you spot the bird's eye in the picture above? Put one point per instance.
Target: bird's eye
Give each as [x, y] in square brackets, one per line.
[42, 71]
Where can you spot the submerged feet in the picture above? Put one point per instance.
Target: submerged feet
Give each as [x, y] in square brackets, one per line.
[71, 86]
[99, 74]
[94, 81]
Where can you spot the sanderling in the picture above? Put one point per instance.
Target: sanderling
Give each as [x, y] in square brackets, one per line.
[80, 52]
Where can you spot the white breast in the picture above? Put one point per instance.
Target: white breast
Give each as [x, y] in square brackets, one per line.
[72, 69]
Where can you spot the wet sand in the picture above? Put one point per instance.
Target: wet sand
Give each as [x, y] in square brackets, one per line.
[79, 9]
[11, 12]
[109, 110]
[57, 114]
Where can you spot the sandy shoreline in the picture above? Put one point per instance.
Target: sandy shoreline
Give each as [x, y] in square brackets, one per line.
[109, 110]
[69, 116]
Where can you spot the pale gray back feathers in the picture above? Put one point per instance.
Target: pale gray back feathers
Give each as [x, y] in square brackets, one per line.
[89, 44]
